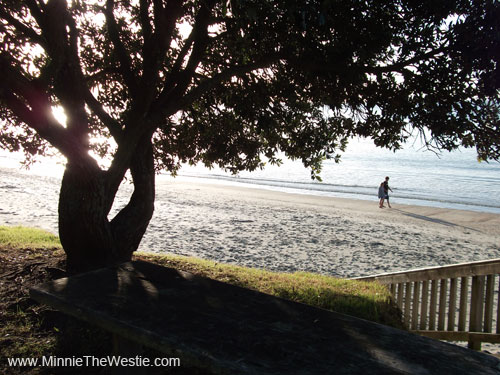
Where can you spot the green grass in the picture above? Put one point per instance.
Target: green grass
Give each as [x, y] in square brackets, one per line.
[28, 238]
[20, 324]
[366, 300]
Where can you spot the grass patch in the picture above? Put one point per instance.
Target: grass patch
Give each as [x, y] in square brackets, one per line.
[28, 238]
[366, 300]
[20, 338]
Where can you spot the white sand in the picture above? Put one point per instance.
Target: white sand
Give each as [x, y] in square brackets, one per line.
[288, 232]
[280, 231]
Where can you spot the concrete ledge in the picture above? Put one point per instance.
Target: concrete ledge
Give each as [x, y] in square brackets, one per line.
[231, 330]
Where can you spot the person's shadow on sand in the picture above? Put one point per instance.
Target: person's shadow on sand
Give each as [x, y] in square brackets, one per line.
[433, 220]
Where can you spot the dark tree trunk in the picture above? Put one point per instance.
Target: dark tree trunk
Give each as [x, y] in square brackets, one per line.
[89, 238]
[130, 224]
[84, 229]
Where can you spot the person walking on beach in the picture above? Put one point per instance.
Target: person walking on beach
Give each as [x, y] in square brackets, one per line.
[381, 195]
[386, 192]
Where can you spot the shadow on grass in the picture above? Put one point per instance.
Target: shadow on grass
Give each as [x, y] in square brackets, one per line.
[383, 312]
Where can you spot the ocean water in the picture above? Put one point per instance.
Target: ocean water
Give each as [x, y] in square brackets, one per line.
[417, 176]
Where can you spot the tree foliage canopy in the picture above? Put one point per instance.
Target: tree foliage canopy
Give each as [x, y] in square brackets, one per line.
[229, 81]
[153, 83]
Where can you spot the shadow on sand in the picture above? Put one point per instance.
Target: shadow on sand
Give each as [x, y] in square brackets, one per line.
[433, 220]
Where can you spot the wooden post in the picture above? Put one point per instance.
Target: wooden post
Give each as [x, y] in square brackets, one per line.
[464, 296]
[416, 304]
[432, 310]
[498, 307]
[476, 309]
[452, 305]
[407, 303]
[424, 306]
[443, 291]
[488, 307]
[399, 299]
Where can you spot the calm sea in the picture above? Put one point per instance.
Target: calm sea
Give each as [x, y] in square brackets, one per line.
[417, 176]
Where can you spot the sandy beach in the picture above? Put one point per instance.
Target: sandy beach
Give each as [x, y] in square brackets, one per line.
[281, 231]
[290, 232]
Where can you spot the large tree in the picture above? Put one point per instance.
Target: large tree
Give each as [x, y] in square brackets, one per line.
[154, 83]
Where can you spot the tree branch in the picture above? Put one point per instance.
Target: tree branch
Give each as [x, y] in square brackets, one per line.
[22, 28]
[178, 81]
[210, 83]
[62, 33]
[398, 66]
[36, 9]
[31, 105]
[156, 45]
[328, 67]
[96, 107]
[48, 129]
[123, 56]
[200, 42]
[167, 20]
[170, 81]
[144, 19]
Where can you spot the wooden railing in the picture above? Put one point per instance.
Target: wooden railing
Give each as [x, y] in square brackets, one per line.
[456, 303]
